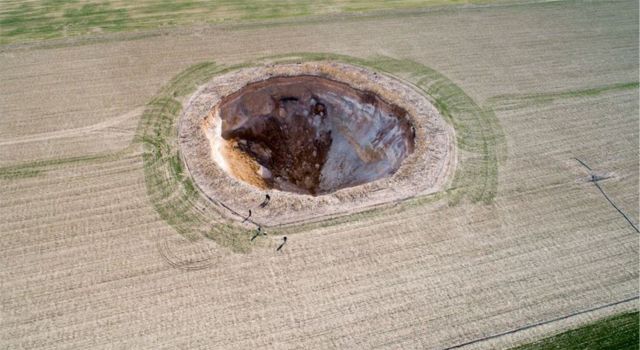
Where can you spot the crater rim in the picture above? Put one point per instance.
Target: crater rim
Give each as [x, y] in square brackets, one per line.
[427, 170]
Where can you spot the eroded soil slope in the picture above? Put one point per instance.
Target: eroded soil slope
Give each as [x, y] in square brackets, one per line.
[308, 134]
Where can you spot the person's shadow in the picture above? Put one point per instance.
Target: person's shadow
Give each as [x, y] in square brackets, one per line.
[247, 218]
[258, 233]
[264, 203]
[284, 240]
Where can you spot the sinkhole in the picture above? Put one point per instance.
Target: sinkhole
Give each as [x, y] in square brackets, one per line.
[308, 134]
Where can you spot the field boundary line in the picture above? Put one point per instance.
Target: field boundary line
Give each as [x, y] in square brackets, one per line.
[541, 323]
[616, 207]
[595, 181]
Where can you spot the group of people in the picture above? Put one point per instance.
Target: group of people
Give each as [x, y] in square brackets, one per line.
[264, 203]
[259, 231]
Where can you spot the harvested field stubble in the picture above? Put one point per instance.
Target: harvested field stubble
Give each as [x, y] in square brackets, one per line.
[106, 246]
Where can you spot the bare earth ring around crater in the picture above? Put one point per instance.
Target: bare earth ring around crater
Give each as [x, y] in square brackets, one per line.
[321, 138]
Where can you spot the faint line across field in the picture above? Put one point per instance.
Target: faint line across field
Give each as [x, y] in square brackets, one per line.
[74, 132]
[595, 182]
[616, 207]
[542, 323]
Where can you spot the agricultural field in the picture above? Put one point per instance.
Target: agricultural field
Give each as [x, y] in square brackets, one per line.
[107, 242]
[618, 332]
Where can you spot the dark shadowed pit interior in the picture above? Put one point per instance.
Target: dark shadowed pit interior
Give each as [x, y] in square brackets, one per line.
[311, 135]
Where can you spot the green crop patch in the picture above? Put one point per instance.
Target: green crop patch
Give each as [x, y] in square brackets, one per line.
[615, 333]
[48, 19]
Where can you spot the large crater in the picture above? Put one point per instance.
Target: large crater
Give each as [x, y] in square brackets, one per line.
[321, 138]
[308, 134]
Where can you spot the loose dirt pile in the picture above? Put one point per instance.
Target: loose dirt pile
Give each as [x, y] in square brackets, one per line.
[324, 138]
[310, 135]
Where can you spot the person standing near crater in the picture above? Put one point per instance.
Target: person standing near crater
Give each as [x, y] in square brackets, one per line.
[266, 201]
[247, 218]
[284, 240]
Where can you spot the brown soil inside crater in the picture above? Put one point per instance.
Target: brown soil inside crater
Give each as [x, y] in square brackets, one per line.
[287, 144]
[308, 134]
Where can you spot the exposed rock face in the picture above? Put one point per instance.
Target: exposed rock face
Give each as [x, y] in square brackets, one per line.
[311, 135]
